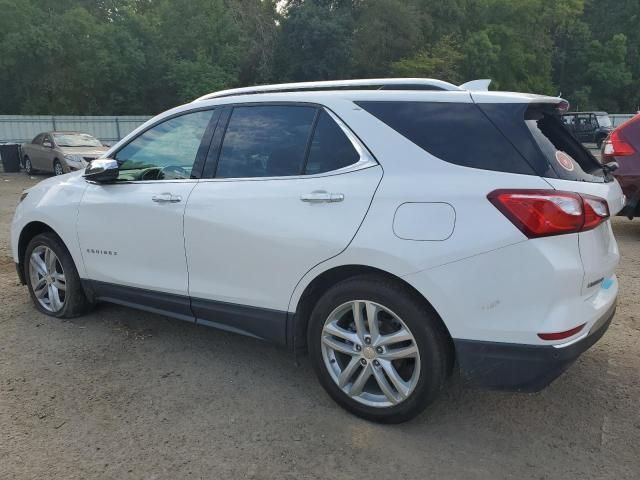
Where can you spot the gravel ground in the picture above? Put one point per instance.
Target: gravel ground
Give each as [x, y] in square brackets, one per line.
[124, 394]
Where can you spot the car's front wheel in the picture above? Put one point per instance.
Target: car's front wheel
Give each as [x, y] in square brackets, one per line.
[377, 349]
[57, 167]
[52, 278]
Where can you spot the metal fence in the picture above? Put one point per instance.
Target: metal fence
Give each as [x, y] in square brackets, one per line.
[23, 128]
[619, 118]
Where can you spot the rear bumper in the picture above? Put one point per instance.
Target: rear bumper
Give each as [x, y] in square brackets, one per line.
[523, 368]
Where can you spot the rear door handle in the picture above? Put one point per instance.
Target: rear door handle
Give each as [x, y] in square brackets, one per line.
[321, 196]
[166, 198]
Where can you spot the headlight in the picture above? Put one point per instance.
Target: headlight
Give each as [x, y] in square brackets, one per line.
[73, 158]
[23, 196]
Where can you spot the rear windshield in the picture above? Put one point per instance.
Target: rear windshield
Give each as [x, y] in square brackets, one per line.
[567, 157]
[457, 133]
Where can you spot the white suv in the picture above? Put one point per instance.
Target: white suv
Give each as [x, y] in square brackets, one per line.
[391, 228]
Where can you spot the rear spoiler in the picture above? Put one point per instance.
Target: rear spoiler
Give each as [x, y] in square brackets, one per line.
[480, 85]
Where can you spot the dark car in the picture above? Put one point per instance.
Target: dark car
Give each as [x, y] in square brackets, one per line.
[623, 146]
[588, 127]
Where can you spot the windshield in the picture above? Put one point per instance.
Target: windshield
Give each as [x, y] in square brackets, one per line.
[604, 120]
[76, 140]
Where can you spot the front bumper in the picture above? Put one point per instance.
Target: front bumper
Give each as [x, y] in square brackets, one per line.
[523, 368]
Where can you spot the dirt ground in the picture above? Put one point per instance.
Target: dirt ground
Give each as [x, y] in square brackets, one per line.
[123, 394]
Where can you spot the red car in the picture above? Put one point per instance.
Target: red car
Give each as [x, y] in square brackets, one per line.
[623, 146]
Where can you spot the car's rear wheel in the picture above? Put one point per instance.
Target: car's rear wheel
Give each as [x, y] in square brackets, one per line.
[28, 168]
[57, 167]
[378, 350]
[52, 278]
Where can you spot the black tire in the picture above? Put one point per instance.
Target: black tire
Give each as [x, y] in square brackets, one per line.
[28, 167]
[57, 167]
[75, 302]
[431, 338]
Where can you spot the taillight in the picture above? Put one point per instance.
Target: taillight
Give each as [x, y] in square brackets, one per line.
[541, 213]
[614, 146]
[596, 211]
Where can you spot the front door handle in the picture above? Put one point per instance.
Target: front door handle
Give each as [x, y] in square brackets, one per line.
[320, 196]
[166, 198]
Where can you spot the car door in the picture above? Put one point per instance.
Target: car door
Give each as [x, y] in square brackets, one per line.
[591, 131]
[46, 154]
[582, 133]
[34, 151]
[285, 189]
[131, 231]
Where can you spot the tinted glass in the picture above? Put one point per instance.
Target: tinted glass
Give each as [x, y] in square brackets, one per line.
[166, 151]
[330, 147]
[38, 139]
[568, 158]
[265, 141]
[454, 132]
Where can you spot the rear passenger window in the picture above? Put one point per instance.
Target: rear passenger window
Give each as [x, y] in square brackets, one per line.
[330, 147]
[265, 141]
[454, 132]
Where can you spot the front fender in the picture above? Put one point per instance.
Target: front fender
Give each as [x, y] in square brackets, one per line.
[53, 202]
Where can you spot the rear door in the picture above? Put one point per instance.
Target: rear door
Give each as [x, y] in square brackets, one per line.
[288, 188]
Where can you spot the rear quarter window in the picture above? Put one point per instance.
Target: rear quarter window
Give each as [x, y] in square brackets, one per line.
[458, 133]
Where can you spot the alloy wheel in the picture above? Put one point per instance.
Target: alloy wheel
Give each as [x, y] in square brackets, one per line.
[57, 168]
[47, 278]
[370, 353]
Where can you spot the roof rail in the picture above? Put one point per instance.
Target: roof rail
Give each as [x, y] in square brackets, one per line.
[372, 83]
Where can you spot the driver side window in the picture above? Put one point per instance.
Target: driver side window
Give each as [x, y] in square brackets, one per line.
[166, 151]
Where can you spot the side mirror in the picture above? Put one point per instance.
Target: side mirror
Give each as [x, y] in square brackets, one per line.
[102, 170]
[47, 144]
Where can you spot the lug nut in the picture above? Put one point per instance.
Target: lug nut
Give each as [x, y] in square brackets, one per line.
[379, 350]
[358, 348]
[363, 362]
[367, 340]
[376, 363]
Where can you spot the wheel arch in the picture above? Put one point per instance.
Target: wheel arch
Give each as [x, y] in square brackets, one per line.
[29, 231]
[297, 333]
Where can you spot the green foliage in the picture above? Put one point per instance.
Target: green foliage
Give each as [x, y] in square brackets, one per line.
[143, 56]
[443, 61]
[315, 41]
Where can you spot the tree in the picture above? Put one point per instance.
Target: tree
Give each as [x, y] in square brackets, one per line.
[385, 31]
[315, 41]
[442, 61]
